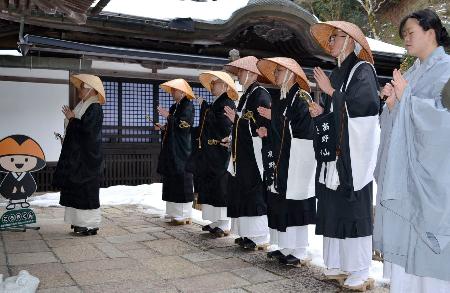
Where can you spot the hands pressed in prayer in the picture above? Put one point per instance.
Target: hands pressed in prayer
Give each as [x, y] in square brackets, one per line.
[265, 112]
[315, 109]
[262, 132]
[323, 81]
[389, 92]
[230, 113]
[226, 142]
[67, 112]
[200, 100]
[399, 83]
[163, 112]
[158, 126]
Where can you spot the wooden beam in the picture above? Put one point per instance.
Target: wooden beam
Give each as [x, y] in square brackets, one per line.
[99, 7]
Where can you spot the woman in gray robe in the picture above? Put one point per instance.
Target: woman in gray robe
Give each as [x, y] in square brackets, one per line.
[412, 224]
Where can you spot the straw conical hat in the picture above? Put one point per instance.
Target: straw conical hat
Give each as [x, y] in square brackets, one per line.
[91, 80]
[267, 67]
[321, 32]
[246, 63]
[446, 95]
[208, 76]
[178, 84]
[22, 145]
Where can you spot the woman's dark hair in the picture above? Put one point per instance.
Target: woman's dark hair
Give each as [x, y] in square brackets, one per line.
[428, 19]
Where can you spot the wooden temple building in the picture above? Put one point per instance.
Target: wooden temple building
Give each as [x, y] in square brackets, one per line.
[133, 56]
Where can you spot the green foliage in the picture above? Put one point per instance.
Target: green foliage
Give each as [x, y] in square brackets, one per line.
[348, 10]
[387, 28]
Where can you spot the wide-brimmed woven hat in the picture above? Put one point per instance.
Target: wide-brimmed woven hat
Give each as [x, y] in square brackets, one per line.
[246, 63]
[267, 67]
[446, 95]
[207, 77]
[178, 84]
[321, 32]
[91, 80]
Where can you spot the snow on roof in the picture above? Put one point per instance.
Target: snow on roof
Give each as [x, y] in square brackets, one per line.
[382, 47]
[10, 52]
[170, 9]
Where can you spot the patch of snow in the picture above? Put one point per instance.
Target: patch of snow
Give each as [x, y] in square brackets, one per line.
[170, 9]
[382, 47]
[10, 52]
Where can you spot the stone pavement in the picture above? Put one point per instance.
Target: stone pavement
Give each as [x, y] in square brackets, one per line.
[136, 251]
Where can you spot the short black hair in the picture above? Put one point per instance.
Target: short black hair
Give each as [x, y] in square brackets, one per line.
[428, 19]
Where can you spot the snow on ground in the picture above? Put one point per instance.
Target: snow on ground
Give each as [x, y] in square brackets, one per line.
[149, 197]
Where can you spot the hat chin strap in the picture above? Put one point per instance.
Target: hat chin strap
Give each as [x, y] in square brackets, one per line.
[244, 85]
[284, 90]
[342, 55]
[358, 48]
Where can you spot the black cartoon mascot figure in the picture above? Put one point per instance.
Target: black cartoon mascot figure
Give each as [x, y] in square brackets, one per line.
[19, 156]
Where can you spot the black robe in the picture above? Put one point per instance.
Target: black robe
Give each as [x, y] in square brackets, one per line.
[282, 212]
[346, 213]
[27, 184]
[176, 147]
[78, 171]
[211, 160]
[246, 194]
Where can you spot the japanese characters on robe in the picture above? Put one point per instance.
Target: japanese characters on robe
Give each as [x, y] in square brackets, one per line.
[211, 159]
[176, 147]
[247, 196]
[291, 200]
[78, 171]
[344, 210]
[412, 220]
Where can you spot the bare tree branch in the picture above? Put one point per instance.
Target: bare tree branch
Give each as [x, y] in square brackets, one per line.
[379, 6]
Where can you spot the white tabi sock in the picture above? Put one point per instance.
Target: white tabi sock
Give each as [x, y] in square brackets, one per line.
[357, 278]
[258, 240]
[300, 253]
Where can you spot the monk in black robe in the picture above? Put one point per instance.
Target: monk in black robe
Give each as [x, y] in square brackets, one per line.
[350, 105]
[291, 194]
[176, 145]
[78, 172]
[247, 203]
[213, 155]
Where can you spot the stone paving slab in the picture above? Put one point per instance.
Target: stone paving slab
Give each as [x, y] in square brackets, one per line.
[256, 275]
[210, 283]
[4, 271]
[73, 241]
[109, 250]
[26, 246]
[132, 286]
[138, 252]
[201, 256]
[31, 258]
[115, 275]
[127, 238]
[70, 289]
[142, 253]
[172, 267]
[129, 246]
[171, 247]
[144, 228]
[78, 253]
[222, 265]
[100, 265]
